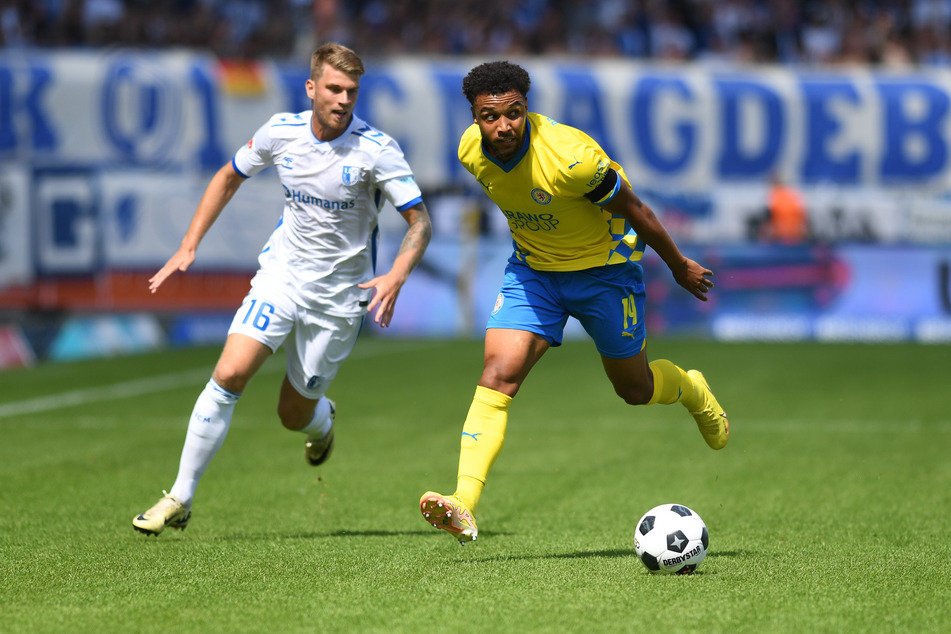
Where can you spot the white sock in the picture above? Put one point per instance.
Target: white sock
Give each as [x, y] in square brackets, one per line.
[207, 429]
[321, 423]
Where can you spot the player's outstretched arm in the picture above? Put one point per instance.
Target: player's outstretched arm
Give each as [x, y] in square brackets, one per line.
[689, 274]
[219, 191]
[387, 286]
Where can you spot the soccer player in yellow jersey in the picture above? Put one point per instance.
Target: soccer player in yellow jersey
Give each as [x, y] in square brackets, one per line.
[579, 231]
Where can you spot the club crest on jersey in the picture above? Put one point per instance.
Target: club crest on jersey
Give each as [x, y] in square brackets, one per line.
[541, 196]
[498, 304]
[351, 174]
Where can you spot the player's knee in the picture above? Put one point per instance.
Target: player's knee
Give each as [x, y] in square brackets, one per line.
[230, 378]
[500, 382]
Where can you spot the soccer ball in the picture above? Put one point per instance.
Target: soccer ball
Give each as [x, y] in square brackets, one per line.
[671, 538]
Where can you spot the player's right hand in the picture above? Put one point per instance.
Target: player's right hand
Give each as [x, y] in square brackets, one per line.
[182, 259]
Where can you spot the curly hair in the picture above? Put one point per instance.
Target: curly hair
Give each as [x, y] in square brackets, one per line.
[495, 78]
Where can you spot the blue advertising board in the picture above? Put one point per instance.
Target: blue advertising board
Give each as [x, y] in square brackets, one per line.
[105, 156]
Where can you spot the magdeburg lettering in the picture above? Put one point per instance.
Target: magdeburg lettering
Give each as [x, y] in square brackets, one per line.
[697, 127]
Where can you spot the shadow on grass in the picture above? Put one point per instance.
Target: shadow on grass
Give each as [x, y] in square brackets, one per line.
[583, 554]
[592, 554]
[341, 533]
[729, 554]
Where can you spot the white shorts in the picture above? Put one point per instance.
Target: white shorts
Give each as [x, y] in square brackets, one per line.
[319, 343]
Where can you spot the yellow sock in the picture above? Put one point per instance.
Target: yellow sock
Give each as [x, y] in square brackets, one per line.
[483, 435]
[671, 384]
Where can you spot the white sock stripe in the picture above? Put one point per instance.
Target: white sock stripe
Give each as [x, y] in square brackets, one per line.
[226, 396]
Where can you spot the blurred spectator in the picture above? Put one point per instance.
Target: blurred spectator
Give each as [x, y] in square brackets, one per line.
[820, 32]
[670, 37]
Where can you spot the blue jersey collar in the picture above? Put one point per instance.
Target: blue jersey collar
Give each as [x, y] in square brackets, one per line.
[510, 164]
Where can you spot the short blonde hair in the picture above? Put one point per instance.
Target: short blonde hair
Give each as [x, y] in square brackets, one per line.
[337, 56]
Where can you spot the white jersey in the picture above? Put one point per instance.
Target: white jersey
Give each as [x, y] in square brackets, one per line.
[333, 191]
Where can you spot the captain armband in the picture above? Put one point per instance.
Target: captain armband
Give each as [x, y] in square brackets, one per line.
[606, 190]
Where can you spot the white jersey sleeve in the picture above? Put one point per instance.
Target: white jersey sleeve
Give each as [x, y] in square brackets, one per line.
[402, 188]
[257, 153]
[391, 173]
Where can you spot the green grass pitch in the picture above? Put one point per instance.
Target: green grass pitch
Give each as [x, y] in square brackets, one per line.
[829, 511]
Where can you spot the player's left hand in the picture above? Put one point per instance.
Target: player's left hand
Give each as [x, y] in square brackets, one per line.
[695, 278]
[387, 289]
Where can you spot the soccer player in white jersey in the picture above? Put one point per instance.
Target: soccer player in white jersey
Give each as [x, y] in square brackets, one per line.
[316, 279]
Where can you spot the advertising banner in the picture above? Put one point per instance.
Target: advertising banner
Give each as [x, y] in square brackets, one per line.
[689, 126]
[105, 156]
[762, 292]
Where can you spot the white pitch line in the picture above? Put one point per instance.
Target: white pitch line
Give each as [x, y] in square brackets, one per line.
[104, 393]
[139, 387]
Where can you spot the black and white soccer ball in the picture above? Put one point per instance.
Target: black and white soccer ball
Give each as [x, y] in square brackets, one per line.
[671, 538]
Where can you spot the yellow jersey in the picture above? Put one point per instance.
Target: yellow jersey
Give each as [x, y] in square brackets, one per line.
[551, 192]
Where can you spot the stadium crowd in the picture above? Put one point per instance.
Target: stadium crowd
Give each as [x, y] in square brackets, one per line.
[887, 33]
